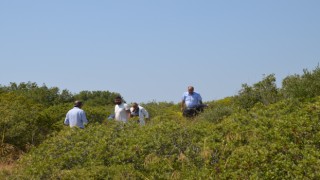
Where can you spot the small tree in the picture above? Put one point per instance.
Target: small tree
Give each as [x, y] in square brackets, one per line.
[96, 98]
[302, 86]
[265, 91]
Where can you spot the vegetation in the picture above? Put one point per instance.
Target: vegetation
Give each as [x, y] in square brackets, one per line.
[264, 132]
[31, 113]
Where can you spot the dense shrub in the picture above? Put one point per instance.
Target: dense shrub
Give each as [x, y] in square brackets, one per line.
[278, 141]
[96, 98]
[39, 94]
[19, 121]
[265, 92]
[163, 110]
[262, 133]
[218, 110]
[30, 113]
[98, 114]
[302, 86]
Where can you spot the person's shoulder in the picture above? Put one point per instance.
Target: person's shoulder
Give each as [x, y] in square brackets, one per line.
[118, 105]
[126, 107]
[73, 109]
[185, 93]
[78, 110]
[69, 111]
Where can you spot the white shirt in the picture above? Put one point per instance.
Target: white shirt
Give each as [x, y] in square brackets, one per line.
[143, 113]
[120, 112]
[76, 117]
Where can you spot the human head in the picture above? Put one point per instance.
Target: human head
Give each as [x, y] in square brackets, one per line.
[190, 89]
[78, 104]
[118, 100]
[135, 105]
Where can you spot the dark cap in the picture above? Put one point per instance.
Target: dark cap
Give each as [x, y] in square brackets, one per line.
[118, 97]
[78, 104]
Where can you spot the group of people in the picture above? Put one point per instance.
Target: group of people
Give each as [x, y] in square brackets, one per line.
[123, 112]
[191, 104]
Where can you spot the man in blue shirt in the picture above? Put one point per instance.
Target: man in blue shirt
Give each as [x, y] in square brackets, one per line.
[191, 100]
[76, 116]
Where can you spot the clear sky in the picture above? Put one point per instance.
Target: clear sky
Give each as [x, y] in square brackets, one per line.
[152, 50]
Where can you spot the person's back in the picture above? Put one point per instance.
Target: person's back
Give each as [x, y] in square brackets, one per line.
[76, 116]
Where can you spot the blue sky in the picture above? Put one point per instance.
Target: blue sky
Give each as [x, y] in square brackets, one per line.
[152, 50]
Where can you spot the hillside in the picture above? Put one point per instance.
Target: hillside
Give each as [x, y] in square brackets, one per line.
[264, 132]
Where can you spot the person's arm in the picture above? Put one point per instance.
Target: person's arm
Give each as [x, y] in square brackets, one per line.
[182, 105]
[66, 121]
[145, 113]
[128, 114]
[127, 108]
[131, 111]
[183, 102]
[84, 118]
[200, 99]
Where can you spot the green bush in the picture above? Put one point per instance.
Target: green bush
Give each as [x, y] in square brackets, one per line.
[29, 113]
[39, 94]
[218, 110]
[262, 133]
[19, 121]
[98, 114]
[302, 86]
[265, 92]
[96, 98]
[278, 141]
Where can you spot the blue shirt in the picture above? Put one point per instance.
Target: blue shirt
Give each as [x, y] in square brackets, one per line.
[191, 100]
[76, 117]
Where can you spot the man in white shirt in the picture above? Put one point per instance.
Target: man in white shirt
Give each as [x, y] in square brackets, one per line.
[76, 116]
[121, 110]
[140, 112]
